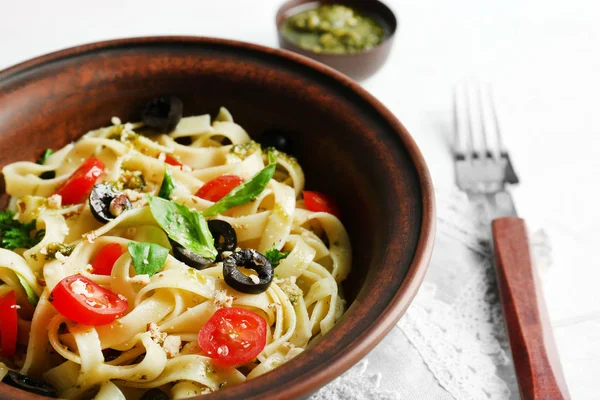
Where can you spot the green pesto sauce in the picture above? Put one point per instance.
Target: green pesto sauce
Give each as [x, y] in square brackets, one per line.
[333, 29]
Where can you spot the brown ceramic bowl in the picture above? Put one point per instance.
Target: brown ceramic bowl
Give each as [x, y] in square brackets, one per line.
[349, 144]
[360, 65]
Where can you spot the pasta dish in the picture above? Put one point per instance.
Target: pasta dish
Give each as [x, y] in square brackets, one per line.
[166, 258]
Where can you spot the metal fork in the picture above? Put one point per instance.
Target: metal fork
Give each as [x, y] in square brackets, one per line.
[483, 170]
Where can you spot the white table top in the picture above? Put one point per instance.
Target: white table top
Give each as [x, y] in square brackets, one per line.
[542, 59]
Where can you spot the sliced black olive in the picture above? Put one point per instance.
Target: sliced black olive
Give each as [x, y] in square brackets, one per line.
[277, 139]
[28, 384]
[107, 203]
[224, 236]
[48, 175]
[189, 257]
[155, 394]
[251, 259]
[163, 113]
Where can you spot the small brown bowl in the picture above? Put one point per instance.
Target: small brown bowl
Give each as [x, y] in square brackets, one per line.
[348, 143]
[358, 66]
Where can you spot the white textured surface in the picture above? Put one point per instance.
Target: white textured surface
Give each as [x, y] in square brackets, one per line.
[542, 58]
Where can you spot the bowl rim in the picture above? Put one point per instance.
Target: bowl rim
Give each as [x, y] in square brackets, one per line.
[371, 335]
[280, 17]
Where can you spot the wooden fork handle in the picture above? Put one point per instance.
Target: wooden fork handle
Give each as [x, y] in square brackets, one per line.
[533, 348]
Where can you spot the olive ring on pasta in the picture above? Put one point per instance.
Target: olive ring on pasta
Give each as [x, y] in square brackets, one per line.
[28, 384]
[223, 235]
[253, 260]
[107, 203]
[188, 257]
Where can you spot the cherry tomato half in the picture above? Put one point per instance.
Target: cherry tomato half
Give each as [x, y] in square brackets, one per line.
[319, 202]
[233, 336]
[104, 261]
[169, 159]
[76, 188]
[8, 324]
[84, 301]
[216, 189]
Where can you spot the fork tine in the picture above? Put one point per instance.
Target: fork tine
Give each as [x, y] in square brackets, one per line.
[487, 150]
[470, 128]
[502, 153]
[458, 149]
[495, 123]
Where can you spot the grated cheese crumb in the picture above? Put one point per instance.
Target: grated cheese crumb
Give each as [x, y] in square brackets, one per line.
[54, 202]
[222, 299]
[79, 287]
[155, 333]
[171, 345]
[115, 121]
[91, 236]
[254, 279]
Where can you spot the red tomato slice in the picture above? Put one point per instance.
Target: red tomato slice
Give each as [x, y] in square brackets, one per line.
[8, 324]
[76, 188]
[216, 189]
[84, 301]
[105, 259]
[233, 336]
[169, 159]
[319, 202]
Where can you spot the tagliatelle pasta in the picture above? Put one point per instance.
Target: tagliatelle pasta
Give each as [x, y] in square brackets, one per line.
[154, 343]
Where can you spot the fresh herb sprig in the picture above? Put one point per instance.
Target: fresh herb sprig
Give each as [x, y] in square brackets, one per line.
[275, 256]
[167, 186]
[17, 235]
[245, 192]
[45, 155]
[183, 225]
[148, 258]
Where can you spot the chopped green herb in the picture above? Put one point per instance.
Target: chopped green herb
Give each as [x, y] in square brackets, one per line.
[183, 225]
[31, 296]
[167, 186]
[148, 258]
[132, 180]
[55, 247]
[47, 153]
[17, 235]
[243, 150]
[275, 256]
[245, 192]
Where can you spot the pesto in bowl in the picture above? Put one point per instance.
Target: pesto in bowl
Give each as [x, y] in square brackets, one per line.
[333, 28]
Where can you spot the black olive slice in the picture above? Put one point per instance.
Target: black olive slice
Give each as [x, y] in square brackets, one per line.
[277, 139]
[251, 259]
[163, 113]
[107, 203]
[223, 235]
[28, 384]
[155, 394]
[189, 257]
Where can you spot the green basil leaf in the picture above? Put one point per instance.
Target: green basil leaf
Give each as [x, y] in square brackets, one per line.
[245, 192]
[167, 185]
[148, 258]
[184, 226]
[271, 157]
[47, 153]
[32, 298]
[275, 256]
